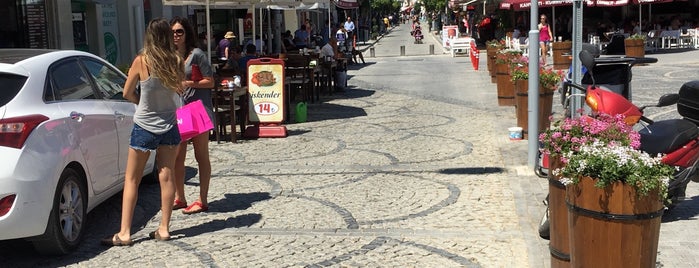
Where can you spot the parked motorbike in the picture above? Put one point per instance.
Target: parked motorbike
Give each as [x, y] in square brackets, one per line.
[612, 73]
[676, 139]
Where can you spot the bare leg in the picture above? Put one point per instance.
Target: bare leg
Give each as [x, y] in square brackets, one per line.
[201, 153]
[544, 51]
[134, 172]
[166, 164]
[179, 173]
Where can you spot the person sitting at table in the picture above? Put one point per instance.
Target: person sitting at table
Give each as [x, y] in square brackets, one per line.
[288, 41]
[259, 44]
[231, 67]
[243, 61]
[301, 37]
[329, 50]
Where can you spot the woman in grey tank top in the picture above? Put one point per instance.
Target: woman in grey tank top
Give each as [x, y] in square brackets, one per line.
[160, 71]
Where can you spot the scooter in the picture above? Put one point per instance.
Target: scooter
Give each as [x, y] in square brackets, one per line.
[417, 33]
[613, 73]
[676, 139]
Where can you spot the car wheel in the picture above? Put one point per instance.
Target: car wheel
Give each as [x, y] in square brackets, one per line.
[68, 218]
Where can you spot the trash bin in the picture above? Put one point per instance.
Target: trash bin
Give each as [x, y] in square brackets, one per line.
[340, 80]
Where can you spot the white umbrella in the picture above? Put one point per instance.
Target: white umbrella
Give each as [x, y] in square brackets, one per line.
[236, 4]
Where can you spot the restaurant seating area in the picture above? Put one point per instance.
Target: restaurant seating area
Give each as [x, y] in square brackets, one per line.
[306, 77]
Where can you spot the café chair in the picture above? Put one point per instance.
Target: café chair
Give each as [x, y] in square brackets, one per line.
[299, 76]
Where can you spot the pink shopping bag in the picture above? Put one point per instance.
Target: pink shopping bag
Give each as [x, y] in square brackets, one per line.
[192, 120]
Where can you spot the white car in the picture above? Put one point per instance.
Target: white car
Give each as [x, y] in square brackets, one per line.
[64, 137]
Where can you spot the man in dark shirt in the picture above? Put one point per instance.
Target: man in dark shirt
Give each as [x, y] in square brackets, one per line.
[250, 53]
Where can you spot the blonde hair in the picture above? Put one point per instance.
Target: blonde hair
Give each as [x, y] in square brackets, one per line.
[160, 54]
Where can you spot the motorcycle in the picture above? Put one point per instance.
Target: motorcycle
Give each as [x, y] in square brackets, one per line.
[676, 139]
[612, 73]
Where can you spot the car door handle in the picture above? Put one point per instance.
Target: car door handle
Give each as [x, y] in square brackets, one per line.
[119, 116]
[76, 116]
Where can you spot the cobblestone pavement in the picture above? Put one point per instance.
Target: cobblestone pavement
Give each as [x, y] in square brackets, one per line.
[375, 178]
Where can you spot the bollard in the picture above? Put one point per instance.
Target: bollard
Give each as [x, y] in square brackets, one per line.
[371, 52]
[431, 49]
[402, 50]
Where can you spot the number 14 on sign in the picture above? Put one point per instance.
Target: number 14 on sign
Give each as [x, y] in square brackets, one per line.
[266, 108]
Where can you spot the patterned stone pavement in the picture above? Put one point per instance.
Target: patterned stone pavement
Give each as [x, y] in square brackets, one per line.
[375, 178]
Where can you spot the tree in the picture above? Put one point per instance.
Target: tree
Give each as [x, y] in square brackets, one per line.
[434, 5]
[385, 6]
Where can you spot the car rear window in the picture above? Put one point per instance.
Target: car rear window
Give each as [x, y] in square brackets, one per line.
[11, 84]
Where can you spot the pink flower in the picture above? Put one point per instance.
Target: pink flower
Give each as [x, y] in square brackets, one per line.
[570, 134]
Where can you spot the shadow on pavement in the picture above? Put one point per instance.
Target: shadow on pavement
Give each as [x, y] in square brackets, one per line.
[686, 210]
[471, 170]
[329, 111]
[230, 203]
[323, 110]
[358, 66]
[235, 202]
[246, 220]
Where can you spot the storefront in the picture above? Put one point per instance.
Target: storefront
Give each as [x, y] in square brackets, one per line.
[89, 25]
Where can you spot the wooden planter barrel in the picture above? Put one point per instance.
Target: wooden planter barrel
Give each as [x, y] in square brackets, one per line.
[559, 242]
[635, 48]
[491, 53]
[506, 92]
[522, 104]
[612, 227]
[561, 55]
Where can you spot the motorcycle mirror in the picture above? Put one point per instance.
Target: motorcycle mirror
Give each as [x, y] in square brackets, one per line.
[589, 62]
[668, 99]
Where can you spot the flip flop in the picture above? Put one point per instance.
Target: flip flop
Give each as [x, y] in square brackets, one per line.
[179, 204]
[156, 235]
[190, 209]
[115, 241]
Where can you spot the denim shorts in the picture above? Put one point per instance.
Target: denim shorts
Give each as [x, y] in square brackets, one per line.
[145, 140]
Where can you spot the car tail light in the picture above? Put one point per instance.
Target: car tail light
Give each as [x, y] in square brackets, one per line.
[15, 131]
[6, 203]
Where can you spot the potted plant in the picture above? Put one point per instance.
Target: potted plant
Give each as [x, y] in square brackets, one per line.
[548, 82]
[614, 192]
[492, 47]
[503, 65]
[635, 46]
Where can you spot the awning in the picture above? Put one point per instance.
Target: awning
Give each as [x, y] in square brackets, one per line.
[301, 6]
[347, 4]
[519, 5]
[240, 4]
[611, 3]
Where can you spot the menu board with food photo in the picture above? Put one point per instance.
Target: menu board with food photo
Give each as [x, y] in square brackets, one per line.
[266, 90]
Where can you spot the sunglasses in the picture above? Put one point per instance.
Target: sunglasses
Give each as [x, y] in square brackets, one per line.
[179, 32]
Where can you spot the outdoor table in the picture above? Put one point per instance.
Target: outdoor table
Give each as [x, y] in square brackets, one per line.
[231, 100]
